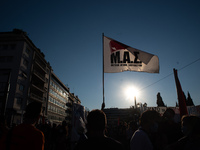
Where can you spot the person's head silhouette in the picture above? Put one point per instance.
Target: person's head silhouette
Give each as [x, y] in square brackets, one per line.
[33, 111]
[96, 123]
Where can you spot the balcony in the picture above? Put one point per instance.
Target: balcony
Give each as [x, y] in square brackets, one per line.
[42, 66]
[41, 89]
[40, 76]
[45, 86]
[36, 97]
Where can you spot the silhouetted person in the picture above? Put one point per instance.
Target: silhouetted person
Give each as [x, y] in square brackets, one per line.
[132, 127]
[26, 136]
[62, 133]
[96, 124]
[52, 137]
[170, 130]
[191, 131]
[148, 125]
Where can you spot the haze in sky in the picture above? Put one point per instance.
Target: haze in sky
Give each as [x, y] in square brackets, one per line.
[69, 33]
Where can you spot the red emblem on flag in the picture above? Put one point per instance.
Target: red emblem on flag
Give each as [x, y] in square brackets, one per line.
[115, 46]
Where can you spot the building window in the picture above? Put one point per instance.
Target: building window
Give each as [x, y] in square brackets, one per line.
[21, 87]
[19, 100]
[6, 59]
[25, 62]
[24, 75]
[27, 51]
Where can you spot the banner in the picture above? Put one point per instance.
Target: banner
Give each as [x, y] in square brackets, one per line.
[78, 122]
[181, 97]
[119, 57]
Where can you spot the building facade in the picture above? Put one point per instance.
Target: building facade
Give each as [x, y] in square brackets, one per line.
[26, 76]
[58, 97]
[24, 72]
[39, 81]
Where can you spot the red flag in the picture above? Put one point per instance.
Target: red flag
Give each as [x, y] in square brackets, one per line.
[181, 97]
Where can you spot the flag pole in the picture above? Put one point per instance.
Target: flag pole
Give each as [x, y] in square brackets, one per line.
[103, 104]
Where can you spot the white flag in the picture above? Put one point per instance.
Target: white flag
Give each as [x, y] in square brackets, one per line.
[119, 57]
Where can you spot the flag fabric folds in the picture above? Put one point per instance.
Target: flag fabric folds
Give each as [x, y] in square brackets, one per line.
[119, 57]
[181, 97]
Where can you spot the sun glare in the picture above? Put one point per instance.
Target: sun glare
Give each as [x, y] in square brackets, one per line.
[131, 92]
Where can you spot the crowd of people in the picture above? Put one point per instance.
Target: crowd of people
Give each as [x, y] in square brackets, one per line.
[152, 132]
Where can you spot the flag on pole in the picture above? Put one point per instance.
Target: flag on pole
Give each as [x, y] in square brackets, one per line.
[119, 57]
[181, 97]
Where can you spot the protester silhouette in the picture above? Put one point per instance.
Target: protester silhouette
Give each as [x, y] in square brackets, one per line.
[26, 136]
[132, 127]
[141, 139]
[62, 134]
[96, 125]
[191, 130]
[53, 137]
[169, 130]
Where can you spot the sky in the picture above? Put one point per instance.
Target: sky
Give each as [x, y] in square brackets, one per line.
[69, 33]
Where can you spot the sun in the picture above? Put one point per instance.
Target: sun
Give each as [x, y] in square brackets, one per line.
[131, 92]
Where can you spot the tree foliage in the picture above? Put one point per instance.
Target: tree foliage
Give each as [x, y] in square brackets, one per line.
[189, 101]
